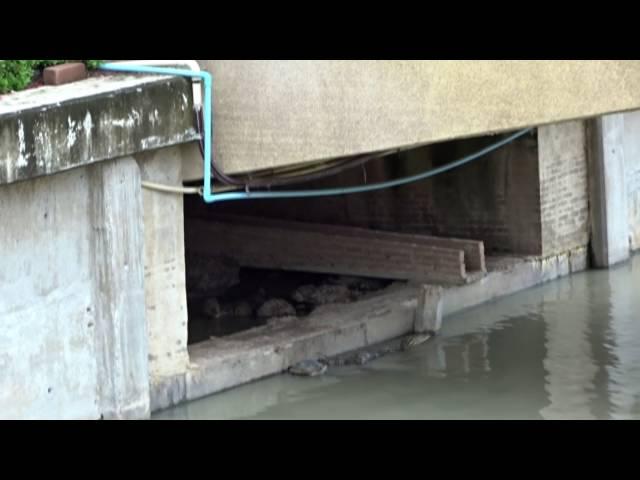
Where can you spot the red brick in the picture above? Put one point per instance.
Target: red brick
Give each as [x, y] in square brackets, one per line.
[65, 73]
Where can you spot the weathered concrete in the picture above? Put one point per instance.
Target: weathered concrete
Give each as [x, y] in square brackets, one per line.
[72, 330]
[511, 275]
[632, 174]
[429, 309]
[219, 364]
[275, 113]
[164, 264]
[54, 129]
[607, 191]
[117, 246]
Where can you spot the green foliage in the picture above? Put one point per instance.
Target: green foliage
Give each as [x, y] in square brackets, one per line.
[17, 74]
[92, 64]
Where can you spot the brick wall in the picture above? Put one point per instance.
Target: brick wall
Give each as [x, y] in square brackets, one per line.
[563, 187]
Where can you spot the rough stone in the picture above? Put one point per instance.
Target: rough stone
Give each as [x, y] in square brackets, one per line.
[276, 307]
[242, 309]
[322, 294]
[415, 340]
[308, 368]
[211, 275]
[211, 308]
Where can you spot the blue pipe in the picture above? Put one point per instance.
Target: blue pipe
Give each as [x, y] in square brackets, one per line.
[210, 197]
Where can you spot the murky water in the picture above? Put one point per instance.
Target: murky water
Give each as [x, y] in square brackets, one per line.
[566, 350]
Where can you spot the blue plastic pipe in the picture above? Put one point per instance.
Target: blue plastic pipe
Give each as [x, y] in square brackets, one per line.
[211, 197]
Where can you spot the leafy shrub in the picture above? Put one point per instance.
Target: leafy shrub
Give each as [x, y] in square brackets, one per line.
[17, 74]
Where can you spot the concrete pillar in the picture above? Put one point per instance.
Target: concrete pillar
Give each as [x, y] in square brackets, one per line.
[117, 249]
[607, 191]
[164, 266]
[429, 310]
[73, 339]
[632, 174]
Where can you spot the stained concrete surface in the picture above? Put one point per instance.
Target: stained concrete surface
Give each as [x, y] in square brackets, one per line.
[272, 113]
[54, 129]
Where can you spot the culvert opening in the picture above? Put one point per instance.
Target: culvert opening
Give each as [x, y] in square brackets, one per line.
[241, 255]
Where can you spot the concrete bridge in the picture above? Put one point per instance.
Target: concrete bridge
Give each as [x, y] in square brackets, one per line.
[93, 310]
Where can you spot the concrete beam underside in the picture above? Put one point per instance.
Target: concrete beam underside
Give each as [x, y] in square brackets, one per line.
[278, 113]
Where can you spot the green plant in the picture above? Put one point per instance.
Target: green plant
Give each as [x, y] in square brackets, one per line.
[91, 64]
[17, 74]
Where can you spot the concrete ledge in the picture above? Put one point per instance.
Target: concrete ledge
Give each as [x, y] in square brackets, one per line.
[511, 275]
[53, 129]
[220, 364]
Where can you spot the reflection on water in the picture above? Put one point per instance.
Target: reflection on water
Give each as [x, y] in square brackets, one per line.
[566, 350]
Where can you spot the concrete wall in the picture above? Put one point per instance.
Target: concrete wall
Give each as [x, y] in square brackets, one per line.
[564, 196]
[92, 289]
[632, 174]
[72, 330]
[607, 191]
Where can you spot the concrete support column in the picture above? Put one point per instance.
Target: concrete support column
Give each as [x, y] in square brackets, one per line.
[120, 329]
[632, 174]
[607, 191]
[73, 339]
[429, 310]
[164, 270]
